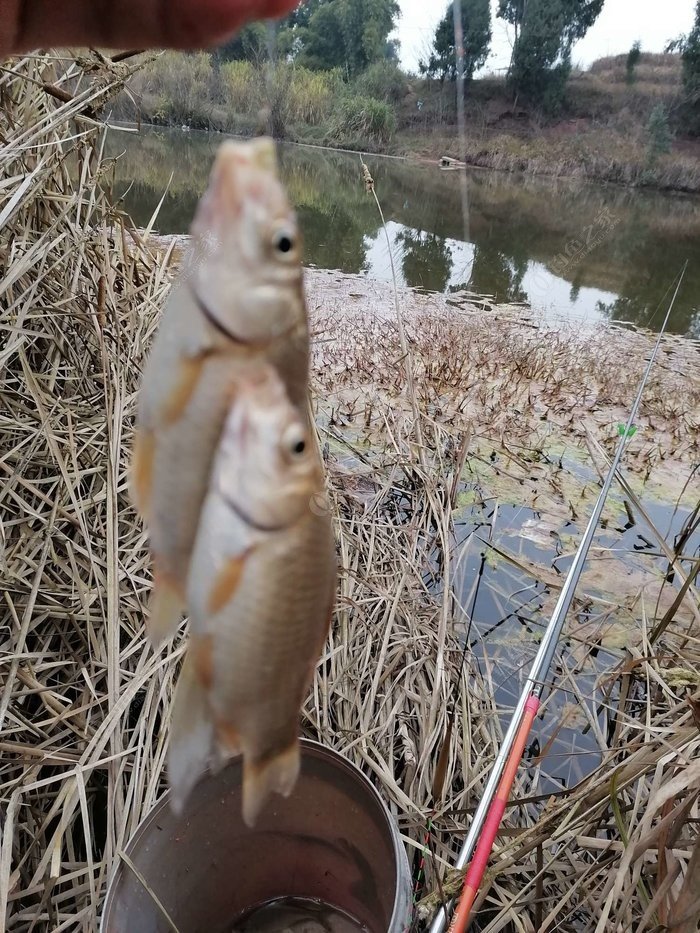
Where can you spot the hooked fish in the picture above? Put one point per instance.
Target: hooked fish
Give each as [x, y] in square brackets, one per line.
[239, 301]
[260, 595]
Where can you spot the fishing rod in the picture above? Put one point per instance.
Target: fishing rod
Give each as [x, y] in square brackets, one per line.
[489, 813]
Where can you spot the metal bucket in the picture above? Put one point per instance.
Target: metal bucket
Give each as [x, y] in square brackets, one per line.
[333, 840]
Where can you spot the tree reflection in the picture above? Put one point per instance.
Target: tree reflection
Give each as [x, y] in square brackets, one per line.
[333, 244]
[495, 273]
[646, 308]
[426, 260]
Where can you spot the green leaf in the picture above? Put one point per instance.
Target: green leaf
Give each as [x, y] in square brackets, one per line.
[621, 431]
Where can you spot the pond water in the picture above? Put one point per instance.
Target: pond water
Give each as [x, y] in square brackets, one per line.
[509, 608]
[567, 248]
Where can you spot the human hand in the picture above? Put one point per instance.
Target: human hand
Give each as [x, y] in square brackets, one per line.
[127, 24]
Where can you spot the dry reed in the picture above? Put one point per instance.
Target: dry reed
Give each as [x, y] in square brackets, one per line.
[84, 703]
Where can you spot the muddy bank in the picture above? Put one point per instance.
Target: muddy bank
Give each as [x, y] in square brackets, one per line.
[540, 402]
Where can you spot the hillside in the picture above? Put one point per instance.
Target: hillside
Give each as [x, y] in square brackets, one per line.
[601, 132]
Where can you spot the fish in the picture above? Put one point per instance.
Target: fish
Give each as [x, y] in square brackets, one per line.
[239, 300]
[260, 593]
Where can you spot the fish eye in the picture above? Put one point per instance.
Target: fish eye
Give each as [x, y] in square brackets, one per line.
[283, 242]
[295, 442]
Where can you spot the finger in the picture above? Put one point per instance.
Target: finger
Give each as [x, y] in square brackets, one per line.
[119, 24]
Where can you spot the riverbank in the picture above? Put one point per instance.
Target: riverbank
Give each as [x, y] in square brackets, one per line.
[603, 132]
[572, 149]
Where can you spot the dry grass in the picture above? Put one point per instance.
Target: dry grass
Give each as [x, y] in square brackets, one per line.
[81, 696]
[663, 68]
[486, 389]
[589, 154]
[84, 702]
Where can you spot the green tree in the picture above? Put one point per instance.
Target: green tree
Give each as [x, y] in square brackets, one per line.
[545, 32]
[476, 27]
[633, 56]
[347, 33]
[250, 44]
[290, 29]
[691, 58]
[366, 25]
[660, 137]
[320, 43]
[689, 47]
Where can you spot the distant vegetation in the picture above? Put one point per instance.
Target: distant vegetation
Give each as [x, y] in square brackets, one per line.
[633, 56]
[689, 47]
[330, 75]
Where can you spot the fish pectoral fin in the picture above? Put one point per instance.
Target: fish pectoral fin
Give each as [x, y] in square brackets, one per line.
[191, 735]
[165, 609]
[277, 773]
[227, 745]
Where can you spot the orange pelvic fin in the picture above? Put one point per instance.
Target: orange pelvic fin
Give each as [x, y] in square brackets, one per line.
[141, 481]
[188, 377]
[191, 735]
[165, 609]
[261, 778]
[226, 582]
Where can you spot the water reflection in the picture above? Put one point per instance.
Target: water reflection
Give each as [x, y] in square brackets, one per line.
[426, 258]
[567, 248]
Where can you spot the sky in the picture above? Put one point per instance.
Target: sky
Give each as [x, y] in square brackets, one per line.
[618, 26]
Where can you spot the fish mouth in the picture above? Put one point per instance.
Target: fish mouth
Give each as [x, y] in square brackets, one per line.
[248, 519]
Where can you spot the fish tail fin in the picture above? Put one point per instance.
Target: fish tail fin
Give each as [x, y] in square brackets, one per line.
[277, 773]
[191, 735]
[165, 609]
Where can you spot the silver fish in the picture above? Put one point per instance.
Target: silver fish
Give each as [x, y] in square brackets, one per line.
[260, 594]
